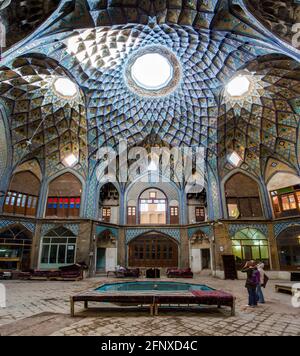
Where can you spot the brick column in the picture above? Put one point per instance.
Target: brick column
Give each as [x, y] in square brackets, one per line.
[85, 243]
[35, 248]
[222, 244]
[184, 249]
[274, 258]
[121, 245]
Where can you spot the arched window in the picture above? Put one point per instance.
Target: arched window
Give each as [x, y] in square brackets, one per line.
[250, 244]
[242, 197]
[64, 197]
[58, 248]
[288, 243]
[15, 248]
[153, 207]
[23, 194]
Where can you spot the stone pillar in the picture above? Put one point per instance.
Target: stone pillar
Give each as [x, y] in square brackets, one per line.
[85, 245]
[184, 249]
[35, 248]
[121, 245]
[222, 245]
[42, 198]
[274, 258]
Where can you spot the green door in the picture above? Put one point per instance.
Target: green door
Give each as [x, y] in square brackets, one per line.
[100, 259]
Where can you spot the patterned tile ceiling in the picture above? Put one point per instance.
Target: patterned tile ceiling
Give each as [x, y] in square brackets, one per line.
[264, 124]
[43, 124]
[277, 15]
[22, 17]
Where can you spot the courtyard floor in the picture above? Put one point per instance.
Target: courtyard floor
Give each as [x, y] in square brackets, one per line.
[42, 308]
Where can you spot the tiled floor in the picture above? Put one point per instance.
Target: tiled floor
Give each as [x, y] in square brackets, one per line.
[42, 308]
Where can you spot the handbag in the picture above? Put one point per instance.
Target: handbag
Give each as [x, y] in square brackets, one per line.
[266, 278]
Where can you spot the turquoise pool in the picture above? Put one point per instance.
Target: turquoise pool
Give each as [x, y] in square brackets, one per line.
[151, 286]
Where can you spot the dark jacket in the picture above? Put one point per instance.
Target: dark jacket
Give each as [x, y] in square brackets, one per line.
[253, 277]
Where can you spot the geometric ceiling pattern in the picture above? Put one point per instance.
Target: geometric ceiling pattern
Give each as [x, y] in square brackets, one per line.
[278, 16]
[92, 41]
[43, 125]
[265, 124]
[22, 17]
[188, 116]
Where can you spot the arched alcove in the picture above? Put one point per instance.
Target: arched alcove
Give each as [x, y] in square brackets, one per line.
[58, 248]
[250, 244]
[288, 243]
[153, 250]
[153, 205]
[23, 192]
[284, 189]
[109, 203]
[15, 250]
[243, 197]
[64, 196]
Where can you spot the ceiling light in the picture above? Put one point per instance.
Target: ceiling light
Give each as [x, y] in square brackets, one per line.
[238, 86]
[234, 159]
[152, 71]
[70, 160]
[65, 87]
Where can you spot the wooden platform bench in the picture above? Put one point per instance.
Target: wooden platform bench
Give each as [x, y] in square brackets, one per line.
[155, 299]
[288, 288]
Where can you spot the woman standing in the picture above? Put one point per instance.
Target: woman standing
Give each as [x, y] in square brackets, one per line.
[252, 281]
[259, 292]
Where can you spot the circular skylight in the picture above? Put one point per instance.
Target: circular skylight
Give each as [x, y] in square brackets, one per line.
[238, 86]
[152, 71]
[65, 87]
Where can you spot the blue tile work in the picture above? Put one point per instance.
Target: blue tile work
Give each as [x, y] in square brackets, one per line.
[114, 231]
[133, 233]
[207, 230]
[234, 228]
[29, 225]
[282, 225]
[74, 228]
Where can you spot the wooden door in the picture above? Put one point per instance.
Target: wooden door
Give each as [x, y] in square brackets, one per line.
[153, 251]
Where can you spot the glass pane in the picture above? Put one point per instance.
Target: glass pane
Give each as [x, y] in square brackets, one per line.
[23, 201]
[61, 253]
[298, 198]
[292, 201]
[71, 254]
[237, 251]
[288, 202]
[247, 242]
[45, 254]
[59, 241]
[276, 204]
[255, 253]
[233, 210]
[53, 254]
[264, 252]
[247, 253]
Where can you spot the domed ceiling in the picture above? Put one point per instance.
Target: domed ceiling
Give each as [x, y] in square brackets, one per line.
[22, 17]
[278, 15]
[93, 43]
